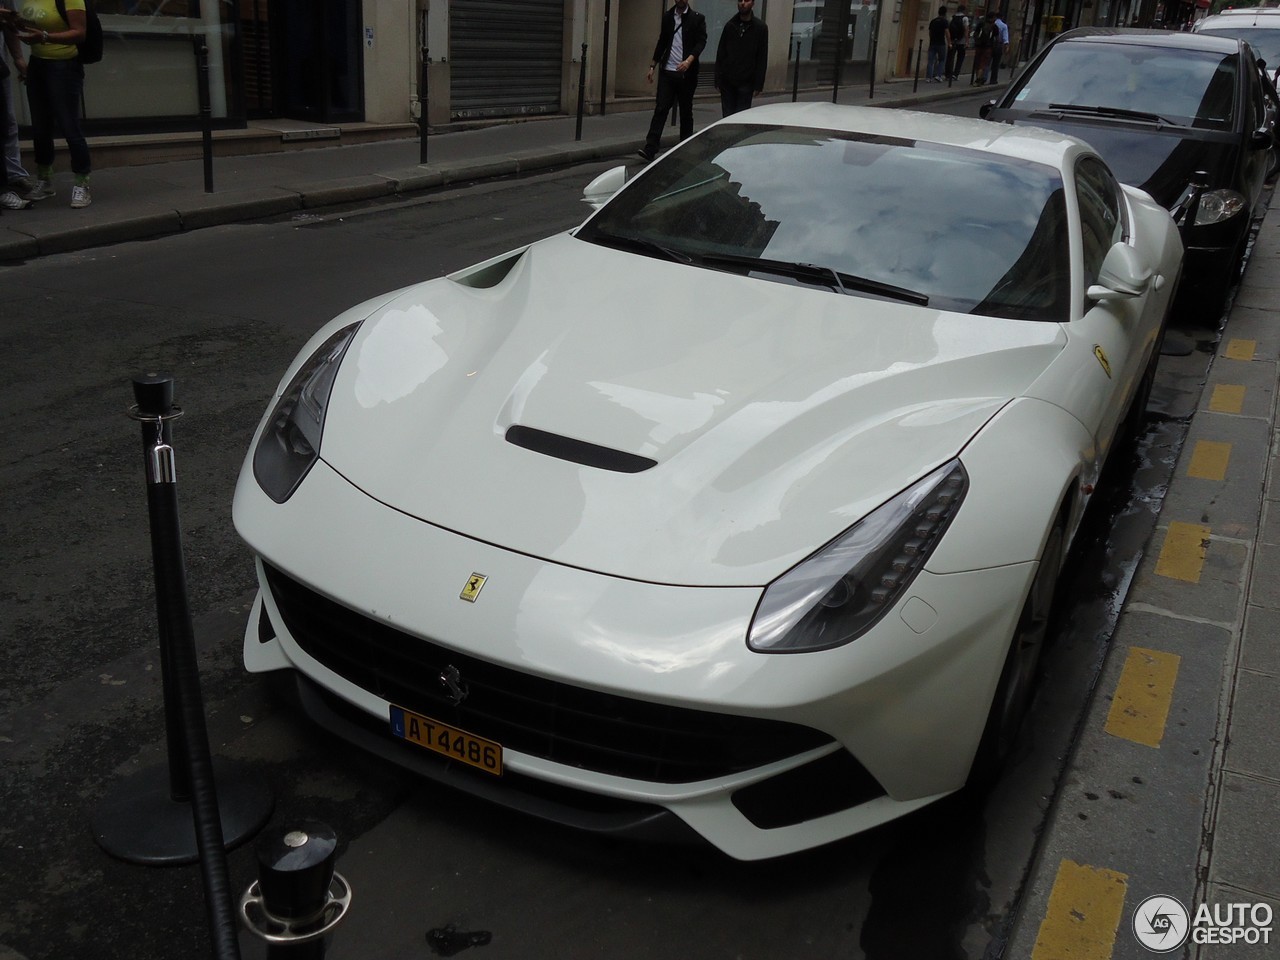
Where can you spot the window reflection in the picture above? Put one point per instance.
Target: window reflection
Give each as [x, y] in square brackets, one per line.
[971, 231]
[1182, 86]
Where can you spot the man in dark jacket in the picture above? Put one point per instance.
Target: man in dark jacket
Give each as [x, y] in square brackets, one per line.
[741, 59]
[959, 29]
[681, 41]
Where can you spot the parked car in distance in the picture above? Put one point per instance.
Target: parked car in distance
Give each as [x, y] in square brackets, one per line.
[1258, 26]
[1161, 108]
[737, 511]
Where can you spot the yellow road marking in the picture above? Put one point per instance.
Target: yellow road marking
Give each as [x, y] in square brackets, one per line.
[1227, 398]
[1085, 907]
[1240, 349]
[1140, 707]
[1182, 555]
[1209, 460]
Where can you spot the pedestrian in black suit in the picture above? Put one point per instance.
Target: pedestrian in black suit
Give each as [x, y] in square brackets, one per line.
[681, 41]
[741, 59]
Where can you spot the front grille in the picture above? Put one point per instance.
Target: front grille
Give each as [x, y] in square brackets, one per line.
[544, 718]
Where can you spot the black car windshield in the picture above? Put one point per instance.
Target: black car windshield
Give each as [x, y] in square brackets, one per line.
[958, 229]
[1265, 42]
[1185, 87]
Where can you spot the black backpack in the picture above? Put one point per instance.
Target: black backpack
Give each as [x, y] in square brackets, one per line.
[958, 23]
[90, 48]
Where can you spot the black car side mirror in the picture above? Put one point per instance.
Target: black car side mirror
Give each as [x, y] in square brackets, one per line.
[1260, 139]
[984, 111]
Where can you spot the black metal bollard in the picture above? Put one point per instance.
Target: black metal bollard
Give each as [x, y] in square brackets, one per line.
[298, 897]
[871, 88]
[206, 108]
[582, 94]
[919, 56]
[176, 814]
[795, 76]
[604, 59]
[424, 64]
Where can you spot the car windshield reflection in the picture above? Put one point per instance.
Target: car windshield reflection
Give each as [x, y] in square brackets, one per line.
[1266, 43]
[886, 218]
[1179, 86]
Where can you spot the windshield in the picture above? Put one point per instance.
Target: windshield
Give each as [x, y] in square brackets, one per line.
[1265, 43]
[960, 229]
[1185, 87]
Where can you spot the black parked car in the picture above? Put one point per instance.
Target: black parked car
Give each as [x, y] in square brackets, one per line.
[1159, 107]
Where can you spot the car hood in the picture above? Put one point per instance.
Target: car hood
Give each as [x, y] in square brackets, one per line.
[775, 415]
[1160, 162]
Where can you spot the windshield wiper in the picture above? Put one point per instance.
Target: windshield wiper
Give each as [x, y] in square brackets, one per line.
[1120, 113]
[817, 273]
[639, 244]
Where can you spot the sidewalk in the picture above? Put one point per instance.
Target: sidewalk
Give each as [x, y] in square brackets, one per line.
[141, 202]
[1173, 786]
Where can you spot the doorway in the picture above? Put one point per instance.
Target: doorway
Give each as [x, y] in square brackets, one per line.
[317, 60]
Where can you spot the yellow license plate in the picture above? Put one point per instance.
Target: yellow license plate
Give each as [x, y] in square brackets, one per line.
[447, 741]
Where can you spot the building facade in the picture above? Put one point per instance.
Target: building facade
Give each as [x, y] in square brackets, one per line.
[341, 61]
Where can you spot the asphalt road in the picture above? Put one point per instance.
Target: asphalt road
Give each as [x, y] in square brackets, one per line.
[224, 310]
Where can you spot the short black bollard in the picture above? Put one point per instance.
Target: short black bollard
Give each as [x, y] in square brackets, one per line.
[795, 76]
[206, 108]
[424, 67]
[582, 94]
[298, 898]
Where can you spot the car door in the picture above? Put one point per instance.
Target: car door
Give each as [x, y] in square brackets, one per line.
[1258, 114]
[1112, 337]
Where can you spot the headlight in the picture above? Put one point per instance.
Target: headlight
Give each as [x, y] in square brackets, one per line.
[1218, 205]
[840, 592]
[290, 441]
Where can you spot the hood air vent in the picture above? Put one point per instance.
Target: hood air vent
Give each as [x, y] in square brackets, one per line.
[577, 451]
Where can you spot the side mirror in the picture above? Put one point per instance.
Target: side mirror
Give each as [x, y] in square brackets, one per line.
[984, 111]
[1122, 275]
[604, 186]
[1260, 139]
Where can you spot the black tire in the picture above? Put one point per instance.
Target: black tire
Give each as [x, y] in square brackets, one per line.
[1022, 662]
[1135, 418]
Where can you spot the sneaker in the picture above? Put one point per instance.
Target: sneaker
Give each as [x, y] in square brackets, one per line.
[648, 154]
[80, 196]
[42, 190]
[11, 201]
[23, 187]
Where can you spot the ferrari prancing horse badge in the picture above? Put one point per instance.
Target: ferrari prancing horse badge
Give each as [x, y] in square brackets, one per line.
[475, 583]
[1102, 359]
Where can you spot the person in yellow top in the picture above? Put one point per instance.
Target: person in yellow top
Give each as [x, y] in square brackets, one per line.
[55, 85]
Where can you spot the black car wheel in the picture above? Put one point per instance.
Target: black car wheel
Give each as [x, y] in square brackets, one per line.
[1022, 662]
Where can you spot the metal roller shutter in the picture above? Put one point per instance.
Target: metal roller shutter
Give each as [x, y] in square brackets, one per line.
[507, 57]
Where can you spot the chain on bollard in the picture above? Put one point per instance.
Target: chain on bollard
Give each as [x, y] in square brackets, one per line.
[298, 898]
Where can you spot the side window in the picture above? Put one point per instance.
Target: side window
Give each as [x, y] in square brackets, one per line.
[1101, 214]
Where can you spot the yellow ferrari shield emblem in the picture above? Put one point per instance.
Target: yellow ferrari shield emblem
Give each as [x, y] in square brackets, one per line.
[1102, 359]
[475, 583]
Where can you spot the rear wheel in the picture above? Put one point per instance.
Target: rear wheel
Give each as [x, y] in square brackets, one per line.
[1022, 662]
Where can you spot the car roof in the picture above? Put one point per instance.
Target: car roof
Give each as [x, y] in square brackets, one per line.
[1210, 43]
[1023, 142]
[1247, 17]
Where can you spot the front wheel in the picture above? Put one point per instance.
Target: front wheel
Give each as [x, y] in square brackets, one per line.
[1022, 662]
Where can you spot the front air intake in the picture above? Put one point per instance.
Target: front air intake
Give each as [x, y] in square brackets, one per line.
[577, 451]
